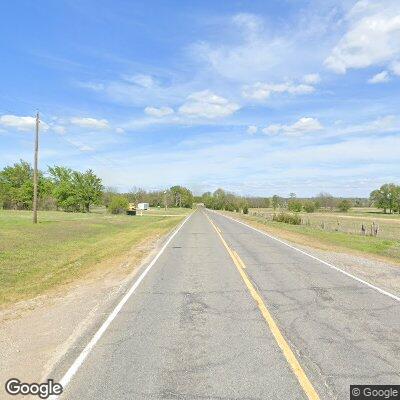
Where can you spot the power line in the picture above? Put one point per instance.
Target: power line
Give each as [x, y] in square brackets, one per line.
[101, 159]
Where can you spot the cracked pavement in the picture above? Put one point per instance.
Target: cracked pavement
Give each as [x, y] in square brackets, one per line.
[192, 330]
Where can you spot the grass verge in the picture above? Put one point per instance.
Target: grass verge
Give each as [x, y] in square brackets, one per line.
[65, 246]
[382, 248]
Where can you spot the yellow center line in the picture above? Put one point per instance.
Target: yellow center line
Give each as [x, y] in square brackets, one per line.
[282, 343]
[242, 264]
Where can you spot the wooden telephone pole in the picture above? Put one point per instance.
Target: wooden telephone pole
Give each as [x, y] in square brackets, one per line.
[35, 171]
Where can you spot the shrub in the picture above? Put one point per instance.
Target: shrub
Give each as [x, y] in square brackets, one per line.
[229, 207]
[118, 205]
[245, 210]
[295, 205]
[292, 219]
[344, 205]
[309, 206]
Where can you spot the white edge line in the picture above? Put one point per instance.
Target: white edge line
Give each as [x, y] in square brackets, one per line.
[384, 292]
[85, 352]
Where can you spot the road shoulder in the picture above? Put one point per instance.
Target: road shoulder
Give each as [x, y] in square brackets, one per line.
[36, 334]
[370, 268]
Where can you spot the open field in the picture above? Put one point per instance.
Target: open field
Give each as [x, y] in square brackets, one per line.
[65, 246]
[339, 230]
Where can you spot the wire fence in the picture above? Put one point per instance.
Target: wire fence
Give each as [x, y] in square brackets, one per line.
[358, 225]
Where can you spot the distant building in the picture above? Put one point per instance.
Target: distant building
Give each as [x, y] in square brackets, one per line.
[143, 206]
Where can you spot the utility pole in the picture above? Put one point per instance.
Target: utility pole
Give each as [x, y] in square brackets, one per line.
[165, 200]
[35, 171]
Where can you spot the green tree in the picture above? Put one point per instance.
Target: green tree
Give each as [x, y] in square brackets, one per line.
[295, 205]
[309, 206]
[344, 205]
[385, 197]
[108, 194]
[74, 190]
[397, 199]
[181, 196]
[219, 201]
[275, 202]
[16, 187]
[208, 200]
[16, 184]
[63, 188]
[88, 189]
[118, 204]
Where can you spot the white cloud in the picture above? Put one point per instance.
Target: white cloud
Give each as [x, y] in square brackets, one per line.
[119, 130]
[303, 125]
[146, 81]
[23, 124]
[19, 123]
[252, 129]
[384, 124]
[389, 123]
[382, 77]
[246, 53]
[395, 68]
[261, 91]
[158, 112]
[372, 37]
[142, 90]
[92, 123]
[249, 48]
[312, 79]
[206, 104]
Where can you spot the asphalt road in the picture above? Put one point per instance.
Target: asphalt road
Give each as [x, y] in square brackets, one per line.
[228, 313]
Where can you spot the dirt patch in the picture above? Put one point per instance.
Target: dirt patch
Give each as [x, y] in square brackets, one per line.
[36, 334]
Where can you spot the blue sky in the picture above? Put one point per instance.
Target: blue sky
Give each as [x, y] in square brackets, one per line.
[257, 97]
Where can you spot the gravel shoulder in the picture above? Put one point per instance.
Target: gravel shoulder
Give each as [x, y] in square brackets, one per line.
[373, 269]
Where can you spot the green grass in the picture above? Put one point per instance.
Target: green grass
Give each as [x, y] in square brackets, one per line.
[65, 246]
[386, 244]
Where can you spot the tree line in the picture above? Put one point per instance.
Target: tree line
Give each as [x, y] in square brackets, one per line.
[62, 188]
[58, 188]
[387, 198]
[175, 196]
[224, 200]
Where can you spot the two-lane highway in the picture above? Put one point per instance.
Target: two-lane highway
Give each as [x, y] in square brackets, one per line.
[228, 313]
